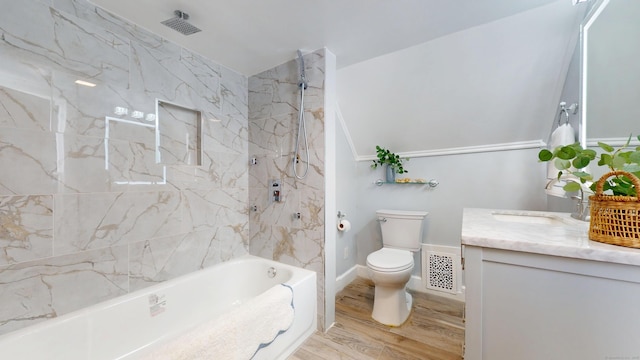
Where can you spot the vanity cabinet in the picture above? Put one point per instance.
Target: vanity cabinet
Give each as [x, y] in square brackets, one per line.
[525, 301]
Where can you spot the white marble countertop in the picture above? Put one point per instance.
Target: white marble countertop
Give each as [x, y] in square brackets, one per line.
[565, 236]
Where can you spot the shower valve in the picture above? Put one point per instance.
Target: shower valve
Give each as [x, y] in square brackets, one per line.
[275, 190]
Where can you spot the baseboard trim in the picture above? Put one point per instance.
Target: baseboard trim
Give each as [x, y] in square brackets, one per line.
[346, 278]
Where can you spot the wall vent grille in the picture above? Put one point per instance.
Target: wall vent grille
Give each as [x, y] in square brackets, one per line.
[440, 268]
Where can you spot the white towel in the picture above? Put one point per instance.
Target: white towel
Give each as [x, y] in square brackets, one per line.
[237, 335]
[563, 135]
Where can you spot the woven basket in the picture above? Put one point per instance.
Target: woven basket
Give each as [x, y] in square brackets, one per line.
[615, 219]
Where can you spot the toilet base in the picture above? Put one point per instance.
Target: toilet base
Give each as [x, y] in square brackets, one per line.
[391, 306]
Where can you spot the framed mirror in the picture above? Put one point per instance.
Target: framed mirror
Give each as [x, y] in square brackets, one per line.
[611, 72]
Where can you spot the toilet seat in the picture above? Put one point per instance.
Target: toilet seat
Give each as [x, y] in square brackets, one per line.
[390, 260]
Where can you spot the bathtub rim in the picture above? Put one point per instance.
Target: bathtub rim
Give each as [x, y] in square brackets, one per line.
[298, 274]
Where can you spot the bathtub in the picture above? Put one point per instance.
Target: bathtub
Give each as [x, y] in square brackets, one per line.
[132, 326]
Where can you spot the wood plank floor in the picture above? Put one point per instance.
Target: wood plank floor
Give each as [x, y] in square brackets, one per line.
[434, 330]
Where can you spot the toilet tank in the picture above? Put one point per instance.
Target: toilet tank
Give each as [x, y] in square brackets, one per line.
[401, 229]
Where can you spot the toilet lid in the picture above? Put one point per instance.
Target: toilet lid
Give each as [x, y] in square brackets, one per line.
[387, 259]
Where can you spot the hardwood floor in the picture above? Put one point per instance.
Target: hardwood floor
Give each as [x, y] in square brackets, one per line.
[434, 330]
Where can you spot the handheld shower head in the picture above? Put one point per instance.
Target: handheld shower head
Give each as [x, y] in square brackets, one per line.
[302, 129]
[303, 79]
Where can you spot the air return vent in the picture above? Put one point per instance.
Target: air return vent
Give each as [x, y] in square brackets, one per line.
[440, 268]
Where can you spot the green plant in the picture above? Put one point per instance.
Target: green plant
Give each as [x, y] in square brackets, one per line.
[573, 159]
[386, 157]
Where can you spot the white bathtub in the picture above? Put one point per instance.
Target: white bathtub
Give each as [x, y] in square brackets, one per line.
[129, 326]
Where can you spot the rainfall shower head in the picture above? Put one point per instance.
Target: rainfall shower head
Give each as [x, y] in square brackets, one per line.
[180, 24]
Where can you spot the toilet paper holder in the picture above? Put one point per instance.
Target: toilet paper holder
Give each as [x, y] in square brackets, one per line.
[343, 224]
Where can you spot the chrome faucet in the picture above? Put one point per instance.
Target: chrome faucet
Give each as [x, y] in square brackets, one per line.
[583, 209]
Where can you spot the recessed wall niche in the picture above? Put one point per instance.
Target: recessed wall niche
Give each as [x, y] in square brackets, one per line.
[178, 134]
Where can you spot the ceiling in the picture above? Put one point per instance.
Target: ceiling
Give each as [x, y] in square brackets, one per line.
[250, 36]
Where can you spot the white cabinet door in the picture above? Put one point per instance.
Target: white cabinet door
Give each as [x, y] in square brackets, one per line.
[526, 306]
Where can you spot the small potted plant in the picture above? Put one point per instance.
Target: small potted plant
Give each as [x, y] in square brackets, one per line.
[392, 161]
[573, 159]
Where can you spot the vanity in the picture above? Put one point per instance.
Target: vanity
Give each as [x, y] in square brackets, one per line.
[538, 288]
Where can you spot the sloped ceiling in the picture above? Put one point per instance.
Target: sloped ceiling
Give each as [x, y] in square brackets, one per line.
[250, 36]
[414, 75]
[496, 83]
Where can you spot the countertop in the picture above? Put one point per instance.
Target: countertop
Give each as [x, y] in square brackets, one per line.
[567, 237]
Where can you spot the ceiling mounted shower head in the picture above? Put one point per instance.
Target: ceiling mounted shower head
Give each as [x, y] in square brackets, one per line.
[180, 24]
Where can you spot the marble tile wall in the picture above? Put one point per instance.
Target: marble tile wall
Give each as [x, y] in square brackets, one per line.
[275, 232]
[86, 212]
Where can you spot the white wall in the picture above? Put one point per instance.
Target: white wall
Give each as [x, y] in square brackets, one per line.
[495, 83]
[512, 179]
[503, 180]
[346, 200]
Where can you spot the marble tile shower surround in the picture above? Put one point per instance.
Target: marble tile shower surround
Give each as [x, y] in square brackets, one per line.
[275, 233]
[86, 213]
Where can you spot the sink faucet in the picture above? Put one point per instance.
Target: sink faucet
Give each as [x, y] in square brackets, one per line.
[583, 209]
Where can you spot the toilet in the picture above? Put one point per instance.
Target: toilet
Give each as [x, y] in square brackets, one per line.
[390, 268]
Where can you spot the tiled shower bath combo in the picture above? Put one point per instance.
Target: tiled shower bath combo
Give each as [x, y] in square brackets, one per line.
[145, 176]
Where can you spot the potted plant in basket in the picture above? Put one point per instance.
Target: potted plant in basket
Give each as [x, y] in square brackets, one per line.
[392, 161]
[615, 219]
[573, 159]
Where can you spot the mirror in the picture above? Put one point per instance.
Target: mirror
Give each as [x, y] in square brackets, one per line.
[611, 71]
